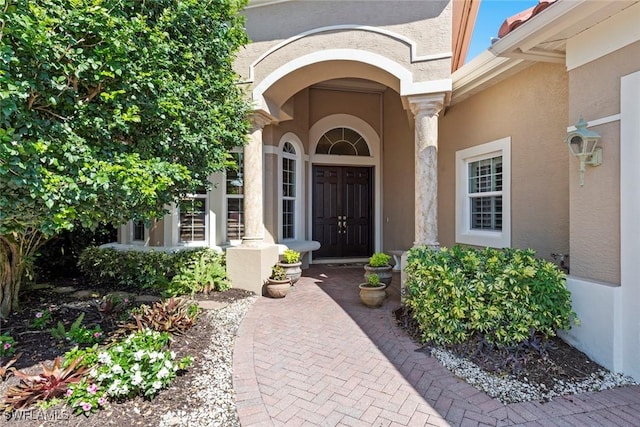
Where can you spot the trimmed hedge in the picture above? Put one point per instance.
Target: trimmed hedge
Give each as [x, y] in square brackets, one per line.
[176, 273]
[505, 296]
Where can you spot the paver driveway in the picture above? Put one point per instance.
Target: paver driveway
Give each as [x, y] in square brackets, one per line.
[319, 357]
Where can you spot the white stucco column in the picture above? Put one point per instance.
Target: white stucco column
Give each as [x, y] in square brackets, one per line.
[249, 264]
[253, 177]
[425, 109]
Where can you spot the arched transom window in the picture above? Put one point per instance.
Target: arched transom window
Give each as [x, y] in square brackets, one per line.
[342, 142]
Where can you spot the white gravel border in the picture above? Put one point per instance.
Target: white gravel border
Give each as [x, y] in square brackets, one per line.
[507, 389]
[211, 397]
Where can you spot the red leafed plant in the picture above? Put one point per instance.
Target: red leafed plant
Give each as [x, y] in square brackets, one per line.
[50, 383]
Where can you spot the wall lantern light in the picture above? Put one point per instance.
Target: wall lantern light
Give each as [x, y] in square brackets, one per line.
[583, 144]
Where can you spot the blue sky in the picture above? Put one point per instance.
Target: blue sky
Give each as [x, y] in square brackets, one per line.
[491, 15]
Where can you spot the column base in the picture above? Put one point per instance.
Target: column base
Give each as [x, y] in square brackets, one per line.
[249, 266]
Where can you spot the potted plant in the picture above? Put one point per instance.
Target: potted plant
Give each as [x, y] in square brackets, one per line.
[291, 263]
[278, 283]
[379, 264]
[372, 293]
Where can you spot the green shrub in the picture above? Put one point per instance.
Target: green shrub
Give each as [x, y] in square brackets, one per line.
[379, 259]
[178, 273]
[200, 270]
[108, 266]
[373, 280]
[502, 295]
[290, 256]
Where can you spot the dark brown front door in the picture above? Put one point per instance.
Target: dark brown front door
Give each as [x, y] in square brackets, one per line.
[343, 211]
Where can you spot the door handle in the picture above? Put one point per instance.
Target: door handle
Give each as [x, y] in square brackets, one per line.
[342, 224]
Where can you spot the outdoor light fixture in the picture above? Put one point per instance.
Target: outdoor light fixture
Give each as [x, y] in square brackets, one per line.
[583, 144]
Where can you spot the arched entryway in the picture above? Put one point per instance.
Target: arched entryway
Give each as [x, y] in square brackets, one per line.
[345, 189]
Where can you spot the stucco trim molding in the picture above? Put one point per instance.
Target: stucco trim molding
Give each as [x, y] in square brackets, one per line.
[413, 46]
[405, 77]
[598, 122]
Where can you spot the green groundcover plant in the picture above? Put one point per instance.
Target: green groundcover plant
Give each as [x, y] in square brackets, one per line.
[140, 365]
[504, 296]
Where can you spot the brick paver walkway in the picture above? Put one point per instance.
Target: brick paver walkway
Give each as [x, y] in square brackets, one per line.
[319, 357]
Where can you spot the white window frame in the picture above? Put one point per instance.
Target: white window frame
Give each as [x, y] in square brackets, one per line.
[145, 233]
[205, 241]
[464, 233]
[299, 185]
[226, 197]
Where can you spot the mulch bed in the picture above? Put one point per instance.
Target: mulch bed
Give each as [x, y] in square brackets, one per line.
[560, 361]
[40, 347]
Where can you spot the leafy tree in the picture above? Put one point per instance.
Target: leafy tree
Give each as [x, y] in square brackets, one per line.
[109, 109]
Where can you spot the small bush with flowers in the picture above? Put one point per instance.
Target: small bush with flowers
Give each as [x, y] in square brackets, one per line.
[41, 319]
[7, 345]
[77, 333]
[139, 365]
[85, 397]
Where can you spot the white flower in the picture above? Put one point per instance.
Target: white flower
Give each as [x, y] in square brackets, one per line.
[168, 364]
[137, 379]
[93, 372]
[116, 369]
[113, 388]
[104, 357]
[163, 373]
[138, 355]
[124, 389]
[157, 385]
[135, 367]
[154, 355]
[173, 354]
[119, 349]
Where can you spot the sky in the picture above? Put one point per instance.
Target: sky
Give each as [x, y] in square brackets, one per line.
[491, 15]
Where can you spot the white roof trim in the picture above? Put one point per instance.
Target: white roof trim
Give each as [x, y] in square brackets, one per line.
[481, 71]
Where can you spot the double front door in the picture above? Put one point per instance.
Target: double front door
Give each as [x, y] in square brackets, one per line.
[343, 211]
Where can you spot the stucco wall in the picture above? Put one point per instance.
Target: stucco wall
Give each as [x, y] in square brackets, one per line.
[595, 208]
[531, 108]
[399, 178]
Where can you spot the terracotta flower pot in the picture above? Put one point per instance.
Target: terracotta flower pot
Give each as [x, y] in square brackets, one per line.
[372, 297]
[278, 288]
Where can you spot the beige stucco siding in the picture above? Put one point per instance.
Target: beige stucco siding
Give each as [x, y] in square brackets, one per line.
[595, 208]
[398, 180]
[531, 108]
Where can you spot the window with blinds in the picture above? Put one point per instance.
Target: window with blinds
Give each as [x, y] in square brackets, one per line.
[193, 218]
[485, 194]
[235, 198]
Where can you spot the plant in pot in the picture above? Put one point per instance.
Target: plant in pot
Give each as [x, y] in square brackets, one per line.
[278, 283]
[372, 293]
[379, 264]
[291, 263]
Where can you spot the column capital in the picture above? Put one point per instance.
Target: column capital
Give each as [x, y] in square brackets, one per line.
[429, 105]
[259, 119]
